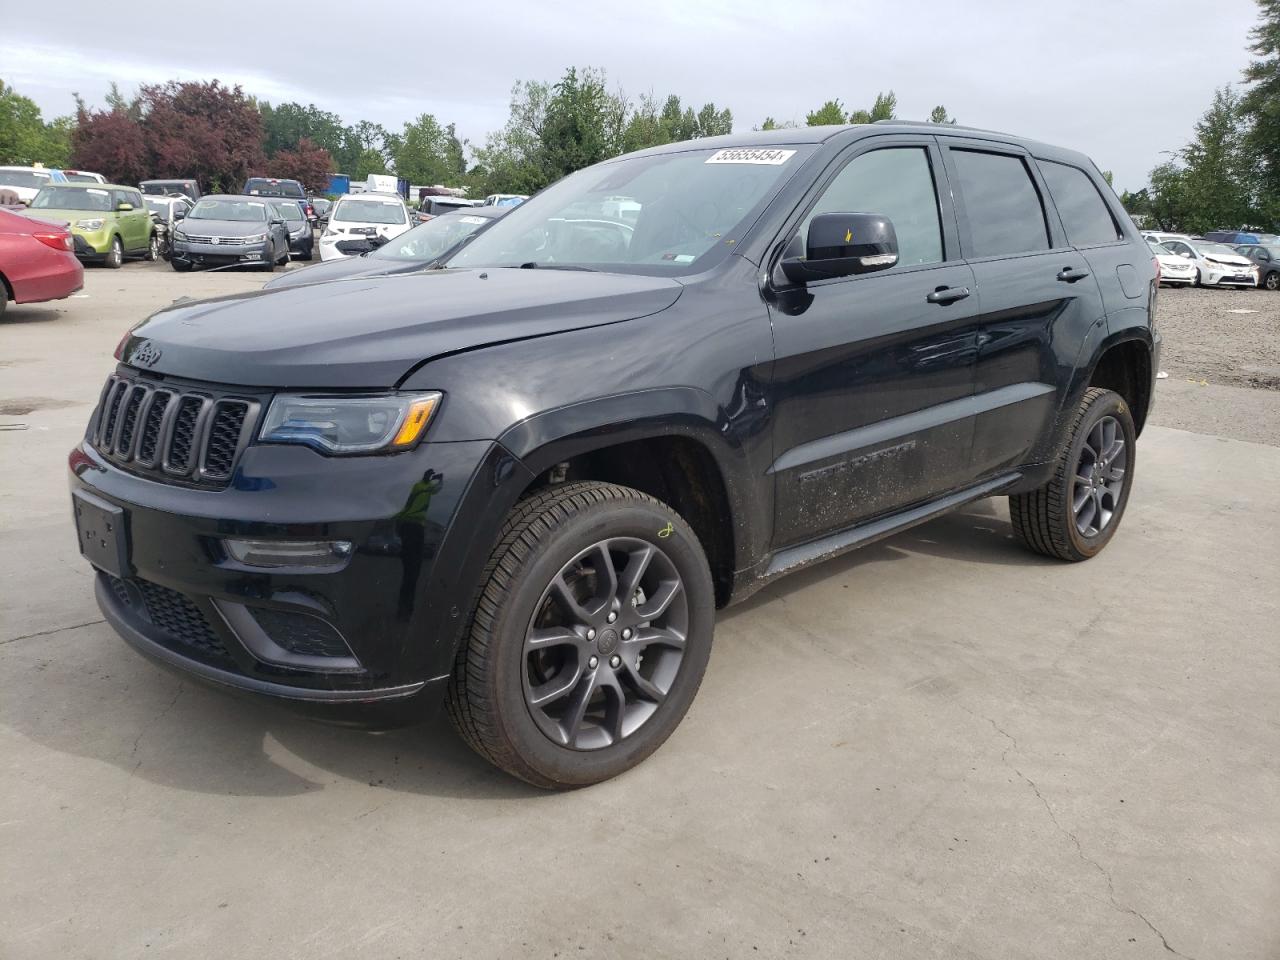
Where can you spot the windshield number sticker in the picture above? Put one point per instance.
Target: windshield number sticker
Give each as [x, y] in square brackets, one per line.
[472, 220]
[766, 156]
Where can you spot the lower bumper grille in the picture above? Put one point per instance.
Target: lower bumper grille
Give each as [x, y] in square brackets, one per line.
[173, 614]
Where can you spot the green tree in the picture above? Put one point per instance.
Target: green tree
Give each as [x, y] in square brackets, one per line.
[713, 122]
[286, 125]
[831, 112]
[885, 108]
[583, 125]
[939, 115]
[1260, 108]
[1216, 190]
[428, 153]
[24, 136]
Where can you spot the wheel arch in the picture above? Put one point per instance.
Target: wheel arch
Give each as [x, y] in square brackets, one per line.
[1123, 364]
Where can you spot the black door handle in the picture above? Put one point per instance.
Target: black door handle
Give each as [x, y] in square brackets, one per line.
[945, 295]
[1071, 274]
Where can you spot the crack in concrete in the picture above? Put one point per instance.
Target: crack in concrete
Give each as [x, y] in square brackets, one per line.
[46, 633]
[1106, 874]
[133, 753]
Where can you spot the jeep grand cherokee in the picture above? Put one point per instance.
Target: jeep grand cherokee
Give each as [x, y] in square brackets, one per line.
[524, 483]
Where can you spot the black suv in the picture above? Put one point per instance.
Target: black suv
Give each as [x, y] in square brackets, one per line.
[523, 483]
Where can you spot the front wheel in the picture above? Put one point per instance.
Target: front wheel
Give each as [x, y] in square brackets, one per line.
[589, 639]
[1272, 280]
[1075, 514]
[153, 248]
[115, 256]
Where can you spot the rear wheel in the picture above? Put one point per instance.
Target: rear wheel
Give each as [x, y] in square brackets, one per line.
[1272, 281]
[589, 639]
[115, 256]
[1075, 514]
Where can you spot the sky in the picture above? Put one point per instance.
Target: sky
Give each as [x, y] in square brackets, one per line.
[1124, 81]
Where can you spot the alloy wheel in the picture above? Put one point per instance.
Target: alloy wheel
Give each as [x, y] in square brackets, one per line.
[605, 644]
[1273, 281]
[1099, 477]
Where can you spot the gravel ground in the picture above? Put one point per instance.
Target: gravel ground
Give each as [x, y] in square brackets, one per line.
[1230, 337]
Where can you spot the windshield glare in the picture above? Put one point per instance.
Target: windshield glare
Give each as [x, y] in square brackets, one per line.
[1217, 249]
[289, 211]
[655, 215]
[281, 188]
[70, 198]
[23, 178]
[428, 241]
[244, 210]
[368, 211]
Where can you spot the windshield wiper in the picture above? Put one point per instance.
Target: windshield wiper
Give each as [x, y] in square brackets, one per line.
[535, 265]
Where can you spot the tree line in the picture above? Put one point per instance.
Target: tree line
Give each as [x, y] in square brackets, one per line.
[1228, 175]
[222, 135]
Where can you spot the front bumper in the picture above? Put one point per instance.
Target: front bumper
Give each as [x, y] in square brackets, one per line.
[1229, 277]
[91, 246]
[220, 254]
[385, 619]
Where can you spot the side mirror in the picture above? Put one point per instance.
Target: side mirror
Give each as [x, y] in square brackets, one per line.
[123, 207]
[179, 214]
[842, 245]
[277, 222]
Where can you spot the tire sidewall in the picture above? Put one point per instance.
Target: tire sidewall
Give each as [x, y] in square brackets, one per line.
[642, 521]
[115, 256]
[1112, 405]
[153, 248]
[1272, 281]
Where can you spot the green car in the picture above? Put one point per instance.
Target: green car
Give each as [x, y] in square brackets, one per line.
[108, 222]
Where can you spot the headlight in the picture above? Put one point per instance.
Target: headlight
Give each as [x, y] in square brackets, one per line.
[350, 424]
[256, 238]
[94, 224]
[179, 235]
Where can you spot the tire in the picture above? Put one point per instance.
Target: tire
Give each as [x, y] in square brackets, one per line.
[1272, 280]
[490, 697]
[153, 247]
[115, 256]
[1046, 519]
[180, 266]
[311, 250]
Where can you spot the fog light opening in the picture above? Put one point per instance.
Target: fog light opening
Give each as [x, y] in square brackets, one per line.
[289, 553]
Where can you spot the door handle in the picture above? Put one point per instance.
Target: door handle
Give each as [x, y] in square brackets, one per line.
[945, 295]
[1071, 274]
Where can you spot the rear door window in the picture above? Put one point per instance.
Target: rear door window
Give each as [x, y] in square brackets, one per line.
[1002, 203]
[1084, 213]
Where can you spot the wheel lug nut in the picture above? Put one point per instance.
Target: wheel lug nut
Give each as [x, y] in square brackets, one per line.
[612, 616]
[615, 661]
[591, 634]
[626, 634]
[592, 662]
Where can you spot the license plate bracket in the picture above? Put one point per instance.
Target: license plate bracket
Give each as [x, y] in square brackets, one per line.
[102, 531]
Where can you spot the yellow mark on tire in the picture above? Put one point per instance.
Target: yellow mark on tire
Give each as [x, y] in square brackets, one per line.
[666, 531]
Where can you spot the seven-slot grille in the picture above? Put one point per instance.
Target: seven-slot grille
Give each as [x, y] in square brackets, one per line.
[172, 432]
[223, 241]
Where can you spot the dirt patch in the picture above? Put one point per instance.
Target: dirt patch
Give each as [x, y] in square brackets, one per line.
[21, 406]
[1225, 336]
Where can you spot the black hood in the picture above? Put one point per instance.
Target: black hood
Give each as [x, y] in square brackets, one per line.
[345, 269]
[369, 333]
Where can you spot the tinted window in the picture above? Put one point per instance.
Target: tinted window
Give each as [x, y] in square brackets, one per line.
[896, 183]
[1083, 211]
[1003, 205]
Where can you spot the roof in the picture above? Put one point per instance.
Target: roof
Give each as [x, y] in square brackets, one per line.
[94, 185]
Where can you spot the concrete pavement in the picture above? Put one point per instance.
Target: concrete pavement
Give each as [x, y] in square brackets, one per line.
[941, 746]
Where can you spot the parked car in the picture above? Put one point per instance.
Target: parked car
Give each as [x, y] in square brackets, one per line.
[524, 483]
[226, 230]
[109, 222]
[1238, 237]
[83, 176]
[37, 262]
[166, 214]
[27, 181]
[164, 188]
[504, 199]
[321, 207]
[1266, 259]
[420, 248]
[1216, 264]
[1161, 237]
[355, 219]
[273, 187]
[302, 239]
[435, 206]
[1173, 268]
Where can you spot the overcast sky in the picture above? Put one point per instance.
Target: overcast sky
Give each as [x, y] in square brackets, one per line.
[1122, 80]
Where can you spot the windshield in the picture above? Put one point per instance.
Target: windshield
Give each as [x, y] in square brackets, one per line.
[80, 177]
[429, 240]
[161, 187]
[1159, 248]
[273, 188]
[656, 215]
[157, 206]
[1215, 249]
[245, 210]
[23, 178]
[368, 211]
[436, 207]
[288, 210]
[71, 198]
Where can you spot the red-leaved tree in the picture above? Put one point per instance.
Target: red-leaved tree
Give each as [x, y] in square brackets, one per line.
[202, 130]
[112, 143]
[307, 163]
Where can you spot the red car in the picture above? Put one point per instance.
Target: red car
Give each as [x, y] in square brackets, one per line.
[36, 261]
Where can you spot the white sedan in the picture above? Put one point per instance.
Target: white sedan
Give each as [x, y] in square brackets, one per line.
[363, 222]
[1173, 268]
[1215, 264]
